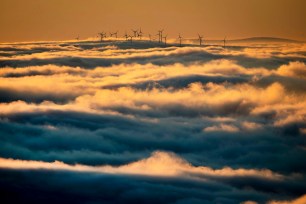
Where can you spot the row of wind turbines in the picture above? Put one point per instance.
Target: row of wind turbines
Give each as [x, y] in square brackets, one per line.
[138, 35]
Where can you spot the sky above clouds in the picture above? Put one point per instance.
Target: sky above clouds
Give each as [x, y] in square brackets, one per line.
[66, 19]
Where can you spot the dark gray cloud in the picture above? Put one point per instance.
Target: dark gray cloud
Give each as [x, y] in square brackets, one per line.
[91, 188]
[7, 95]
[292, 84]
[101, 188]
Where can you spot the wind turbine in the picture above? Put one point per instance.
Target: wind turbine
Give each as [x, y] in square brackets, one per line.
[160, 33]
[200, 39]
[180, 38]
[140, 34]
[131, 38]
[158, 36]
[77, 38]
[135, 32]
[114, 34]
[224, 41]
[102, 35]
[165, 39]
[126, 36]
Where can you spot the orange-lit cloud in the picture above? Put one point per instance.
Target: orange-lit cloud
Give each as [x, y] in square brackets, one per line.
[222, 127]
[300, 200]
[294, 69]
[159, 164]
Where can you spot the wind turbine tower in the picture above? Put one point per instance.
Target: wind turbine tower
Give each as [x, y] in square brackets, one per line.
[200, 39]
[140, 33]
[180, 39]
[165, 39]
[160, 34]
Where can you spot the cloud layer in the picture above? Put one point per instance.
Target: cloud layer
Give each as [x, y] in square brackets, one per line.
[204, 124]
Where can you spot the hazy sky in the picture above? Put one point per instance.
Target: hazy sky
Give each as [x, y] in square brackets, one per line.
[25, 20]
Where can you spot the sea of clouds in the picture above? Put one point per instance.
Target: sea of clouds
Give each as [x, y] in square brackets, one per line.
[122, 122]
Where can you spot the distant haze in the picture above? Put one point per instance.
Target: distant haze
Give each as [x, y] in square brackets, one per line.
[66, 19]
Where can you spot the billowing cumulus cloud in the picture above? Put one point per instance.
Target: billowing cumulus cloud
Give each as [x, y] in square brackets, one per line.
[159, 123]
[294, 69]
